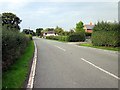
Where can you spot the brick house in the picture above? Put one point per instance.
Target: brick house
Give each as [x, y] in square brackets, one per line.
[89, 27]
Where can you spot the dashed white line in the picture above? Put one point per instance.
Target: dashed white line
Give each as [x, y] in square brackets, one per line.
[59, 47]
[101, 69]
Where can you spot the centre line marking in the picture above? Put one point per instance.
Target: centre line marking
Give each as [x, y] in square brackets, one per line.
[60, 48]
[101, 69]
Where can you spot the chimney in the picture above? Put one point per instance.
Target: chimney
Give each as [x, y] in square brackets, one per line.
[90, 23]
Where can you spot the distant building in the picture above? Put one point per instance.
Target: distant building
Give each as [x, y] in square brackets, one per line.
[89, 27]
[49, 33]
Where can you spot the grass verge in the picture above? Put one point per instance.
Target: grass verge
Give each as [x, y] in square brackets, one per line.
[16, 75]
[100, 47]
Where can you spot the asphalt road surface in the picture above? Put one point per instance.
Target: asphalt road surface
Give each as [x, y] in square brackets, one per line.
[63, 65]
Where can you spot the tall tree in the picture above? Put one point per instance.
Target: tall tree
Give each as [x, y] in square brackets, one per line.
[59, 30]
[10, 21]
[79, 27]
[28, 31]
[71, 31]
[38, 31]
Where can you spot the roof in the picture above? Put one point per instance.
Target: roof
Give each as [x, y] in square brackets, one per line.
[49, 32]
[89, 26]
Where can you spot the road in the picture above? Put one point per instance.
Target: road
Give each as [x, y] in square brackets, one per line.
[63, 65]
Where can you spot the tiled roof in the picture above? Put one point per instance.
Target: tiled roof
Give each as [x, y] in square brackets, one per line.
[89, 26]
[49, 32]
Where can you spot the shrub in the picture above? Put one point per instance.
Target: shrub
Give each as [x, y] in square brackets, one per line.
[87, 34]
[76, 37]
[60, 38]
[13, 45]
[106, 34]
[29, 36]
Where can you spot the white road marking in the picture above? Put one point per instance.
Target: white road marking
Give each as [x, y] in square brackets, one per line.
[60, 48]
[101, 69]
[33, 68]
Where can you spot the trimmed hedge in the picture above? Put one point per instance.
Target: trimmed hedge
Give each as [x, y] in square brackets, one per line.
[106, 34]
[105, 38]
[88, 34]
[60, 38]
[13, 45]
[75, 37]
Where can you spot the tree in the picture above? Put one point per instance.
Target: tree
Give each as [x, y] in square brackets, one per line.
[71, 31]
[28, 31]
[59, 30]
[10, 21]
[25, 31]
[38, 31]
[79, 27]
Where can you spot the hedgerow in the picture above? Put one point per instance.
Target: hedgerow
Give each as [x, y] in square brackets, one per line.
[106, 34]
[75, 37]
[13, 45]
[60, 38]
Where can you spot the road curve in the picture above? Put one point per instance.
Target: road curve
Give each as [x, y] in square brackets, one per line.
[62, 65]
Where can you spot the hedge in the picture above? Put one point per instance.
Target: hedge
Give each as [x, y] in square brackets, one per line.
[75, 37]
[13, 45]
[106, 34]
[87, 34]
[60, 38]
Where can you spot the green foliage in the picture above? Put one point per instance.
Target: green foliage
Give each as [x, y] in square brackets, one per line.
[38, 31]
[106, 34]
[59, 30]
[71, 38]
[10, 21]
[16, 75]
[13, 44]
[88, 34]
[28, 31]
[76, 37]
[49, 29]
[59, 38]
[29, 36]
[100, 47]
[79, 27]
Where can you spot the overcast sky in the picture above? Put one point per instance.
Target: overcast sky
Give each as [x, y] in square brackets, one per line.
[52, 13]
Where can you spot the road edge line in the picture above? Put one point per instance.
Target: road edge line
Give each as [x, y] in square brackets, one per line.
[33, 68]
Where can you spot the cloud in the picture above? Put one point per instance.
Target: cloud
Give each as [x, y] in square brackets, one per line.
[36, 14]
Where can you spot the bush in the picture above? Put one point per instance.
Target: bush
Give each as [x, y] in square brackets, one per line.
[106, 34]
[29, 36]
[87, 34]
[60, 38]
[76, 37]
[13, 45]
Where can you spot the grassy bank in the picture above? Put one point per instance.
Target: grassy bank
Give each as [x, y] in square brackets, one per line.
[15, 76]
[100, 47]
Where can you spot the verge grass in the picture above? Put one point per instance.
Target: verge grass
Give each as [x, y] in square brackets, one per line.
[101, 47]
[16, 75]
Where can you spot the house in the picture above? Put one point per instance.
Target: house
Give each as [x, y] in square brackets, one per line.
[89, 27]
[49, 33]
